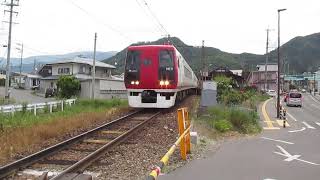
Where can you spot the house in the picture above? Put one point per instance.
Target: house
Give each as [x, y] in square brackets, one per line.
[258, 78]
[106, 85]
[25, 80]
[236, 75]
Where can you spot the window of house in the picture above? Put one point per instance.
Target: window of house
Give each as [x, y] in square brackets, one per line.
[63, 70]
[66, 70]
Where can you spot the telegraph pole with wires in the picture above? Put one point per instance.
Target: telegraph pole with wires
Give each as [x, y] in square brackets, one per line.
[21, 56]
[94, 66]
[10, 5]
[202, 62]
[266, 85]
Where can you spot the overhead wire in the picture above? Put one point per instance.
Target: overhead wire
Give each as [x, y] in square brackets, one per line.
[100, 21]
[150, 17]
[155, 17]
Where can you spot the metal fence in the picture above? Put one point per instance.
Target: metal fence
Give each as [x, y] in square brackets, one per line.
[35, 107]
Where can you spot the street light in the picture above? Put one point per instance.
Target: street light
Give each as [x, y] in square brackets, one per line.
[279, 69]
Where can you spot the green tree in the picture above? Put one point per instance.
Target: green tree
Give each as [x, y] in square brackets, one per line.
[68, 86]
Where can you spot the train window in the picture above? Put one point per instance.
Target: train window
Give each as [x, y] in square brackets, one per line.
[166, 59]
[133, 61]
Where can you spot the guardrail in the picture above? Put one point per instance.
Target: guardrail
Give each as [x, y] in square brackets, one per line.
[183, 140]
[34, 107]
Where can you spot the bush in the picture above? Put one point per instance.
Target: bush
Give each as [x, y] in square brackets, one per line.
[240, 119]
[68, 86]
[222, 125]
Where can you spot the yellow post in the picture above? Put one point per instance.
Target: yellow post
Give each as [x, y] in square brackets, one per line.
[181, 125]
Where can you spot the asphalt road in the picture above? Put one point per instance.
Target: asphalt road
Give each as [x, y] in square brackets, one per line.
[20, 96]
[291, 153]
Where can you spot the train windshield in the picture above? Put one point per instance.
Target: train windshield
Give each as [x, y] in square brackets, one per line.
[166, 60]
[166, 64]
[132, 72]
[133, 61]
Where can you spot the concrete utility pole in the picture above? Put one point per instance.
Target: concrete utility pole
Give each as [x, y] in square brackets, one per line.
[266, 85]
[202, 62]
[94, 66]
[11, 5]
[279, 68]
[21, 53]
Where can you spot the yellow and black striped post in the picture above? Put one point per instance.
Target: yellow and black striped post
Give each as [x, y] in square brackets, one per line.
[183, 140]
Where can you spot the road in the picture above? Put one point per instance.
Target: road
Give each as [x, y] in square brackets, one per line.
[291, 153]
[20, 96]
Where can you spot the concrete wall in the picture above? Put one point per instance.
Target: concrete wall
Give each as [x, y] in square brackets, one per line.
[104, 89]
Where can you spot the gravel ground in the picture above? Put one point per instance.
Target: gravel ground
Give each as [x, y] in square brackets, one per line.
[135, 158]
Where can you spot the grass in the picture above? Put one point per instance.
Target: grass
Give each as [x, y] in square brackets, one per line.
[23, 132]
[27, 118]
[223, 119]
[4, 101]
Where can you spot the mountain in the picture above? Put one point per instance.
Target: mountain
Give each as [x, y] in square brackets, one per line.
[301, 53]
[213, 56]
[28, 63]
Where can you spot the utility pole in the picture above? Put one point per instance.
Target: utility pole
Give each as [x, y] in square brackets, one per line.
[266, 85]
[21, 53]
[279, 68]
[202, 62]
[11, 5]
[94, 66]
[34, 65]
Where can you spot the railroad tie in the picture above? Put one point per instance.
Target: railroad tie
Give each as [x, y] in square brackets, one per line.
[111, 132]
[96, 141]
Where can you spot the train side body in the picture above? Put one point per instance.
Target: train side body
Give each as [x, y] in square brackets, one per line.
[155, 75]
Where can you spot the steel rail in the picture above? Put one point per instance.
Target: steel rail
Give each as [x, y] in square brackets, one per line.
[81, 165]
[31, 159]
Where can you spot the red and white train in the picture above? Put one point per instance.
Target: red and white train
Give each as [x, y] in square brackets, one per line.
[156, 76]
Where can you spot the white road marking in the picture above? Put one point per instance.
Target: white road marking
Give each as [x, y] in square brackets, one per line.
[308, 126]
[290, 157]
[315, 106]
[302, 129]
[291, 116]
[269, 179]
[317, 123]
[286, 142]
[314, 99]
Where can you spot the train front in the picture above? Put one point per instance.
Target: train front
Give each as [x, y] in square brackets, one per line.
[151, 76]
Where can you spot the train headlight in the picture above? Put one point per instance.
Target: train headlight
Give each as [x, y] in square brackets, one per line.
[132, 82]
[137, 82]
[161, 83]
[166, 83]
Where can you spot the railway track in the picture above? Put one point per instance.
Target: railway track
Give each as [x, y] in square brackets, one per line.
[74, 155]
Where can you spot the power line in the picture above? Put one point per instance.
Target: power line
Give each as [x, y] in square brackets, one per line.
[155, 17]
[150, 17]
[100, 21]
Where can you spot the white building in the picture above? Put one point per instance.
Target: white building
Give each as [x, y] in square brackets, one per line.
[106, 86]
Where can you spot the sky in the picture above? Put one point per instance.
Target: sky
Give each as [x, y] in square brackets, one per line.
[62, 26]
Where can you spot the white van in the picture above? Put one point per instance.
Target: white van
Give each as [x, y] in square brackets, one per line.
[294, 99]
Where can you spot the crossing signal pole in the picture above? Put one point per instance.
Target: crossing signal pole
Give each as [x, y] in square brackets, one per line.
[11, 5]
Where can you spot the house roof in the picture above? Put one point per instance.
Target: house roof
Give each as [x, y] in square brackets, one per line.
[27, 75]
[2, 76]
[87, 61]
[237, 72]
[270, 67]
